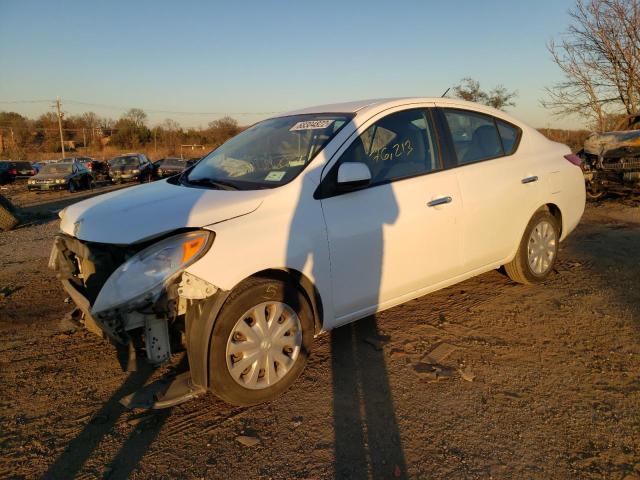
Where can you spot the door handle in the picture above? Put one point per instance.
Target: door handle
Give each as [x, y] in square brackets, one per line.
[530, 179]
[439, 201]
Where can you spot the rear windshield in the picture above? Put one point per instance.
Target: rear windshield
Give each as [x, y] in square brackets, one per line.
[128, 160]
[56, 168]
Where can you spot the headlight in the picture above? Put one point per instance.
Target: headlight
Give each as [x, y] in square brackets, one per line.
[60, 180]
[143, 276]
[135, 170]
[31, 182]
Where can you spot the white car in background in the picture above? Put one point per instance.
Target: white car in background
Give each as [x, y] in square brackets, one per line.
[310, 220]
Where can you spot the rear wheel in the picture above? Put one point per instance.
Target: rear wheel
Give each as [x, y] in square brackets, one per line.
[260, 342]
[538, 250]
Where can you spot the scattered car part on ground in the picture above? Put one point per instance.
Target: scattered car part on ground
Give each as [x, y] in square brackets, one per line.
[612, 159]
[308, 221]
[131, 167]
[70, 176]
[8, 219]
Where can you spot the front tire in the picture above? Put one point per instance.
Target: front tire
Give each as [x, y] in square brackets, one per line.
[260, 342]
[538, 250]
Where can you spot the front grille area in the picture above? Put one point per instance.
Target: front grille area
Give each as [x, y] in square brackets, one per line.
[88, 265]
[625, 163]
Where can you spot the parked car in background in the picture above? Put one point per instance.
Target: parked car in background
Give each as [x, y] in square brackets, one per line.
[11, 170]
[167, 167]
[70, 176]
[193, 161]
[131, 167]
[308, 221]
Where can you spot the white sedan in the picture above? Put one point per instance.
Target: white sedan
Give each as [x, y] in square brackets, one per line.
[310, 220]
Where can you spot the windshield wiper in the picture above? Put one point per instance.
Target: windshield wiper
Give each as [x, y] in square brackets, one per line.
[220, 184]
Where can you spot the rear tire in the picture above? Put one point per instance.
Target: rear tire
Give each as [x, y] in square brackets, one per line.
[538, 250]
[237, 330]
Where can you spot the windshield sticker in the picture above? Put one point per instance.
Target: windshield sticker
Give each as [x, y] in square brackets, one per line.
[311, 125]
[275, 176]
[296, 163]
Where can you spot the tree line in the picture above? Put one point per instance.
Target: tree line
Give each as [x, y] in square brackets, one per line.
[22, 136]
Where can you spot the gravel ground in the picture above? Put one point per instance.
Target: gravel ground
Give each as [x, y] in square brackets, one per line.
[483, 379]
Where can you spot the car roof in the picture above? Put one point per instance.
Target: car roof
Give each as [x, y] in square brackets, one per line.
[374, 106]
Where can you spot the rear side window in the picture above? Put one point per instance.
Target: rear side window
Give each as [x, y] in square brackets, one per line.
[475, 136]
[509, 135]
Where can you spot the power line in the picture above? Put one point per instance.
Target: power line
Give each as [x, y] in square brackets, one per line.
[149, 110]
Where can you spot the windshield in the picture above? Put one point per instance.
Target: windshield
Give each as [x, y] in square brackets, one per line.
[268, 154]
[119, 161]
[172, 162]
[56, 168]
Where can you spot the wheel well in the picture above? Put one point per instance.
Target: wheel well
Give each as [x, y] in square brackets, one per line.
[308, 288]
[555, 211]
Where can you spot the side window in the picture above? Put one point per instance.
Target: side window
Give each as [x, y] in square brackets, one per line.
[397, 146]
[509, 135]
[475, 136]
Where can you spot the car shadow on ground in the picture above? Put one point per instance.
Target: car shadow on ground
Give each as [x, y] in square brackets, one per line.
[367, 436]
[102, 424]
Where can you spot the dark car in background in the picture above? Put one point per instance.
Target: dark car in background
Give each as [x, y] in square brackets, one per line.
[167, 167]
[10, 170]
[131, 167]
[67, 175]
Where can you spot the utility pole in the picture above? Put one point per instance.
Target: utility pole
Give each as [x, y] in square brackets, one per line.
[155, 143]
[84, 140]
[60, 125]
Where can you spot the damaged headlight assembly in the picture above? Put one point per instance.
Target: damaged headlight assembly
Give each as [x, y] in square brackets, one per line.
[140, 281]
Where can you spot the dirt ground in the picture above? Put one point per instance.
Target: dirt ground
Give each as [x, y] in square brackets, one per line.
[526, 382]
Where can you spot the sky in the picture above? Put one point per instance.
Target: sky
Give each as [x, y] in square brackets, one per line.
[194, 62]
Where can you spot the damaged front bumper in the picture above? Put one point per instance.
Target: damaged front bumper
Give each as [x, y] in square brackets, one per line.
[154, 322]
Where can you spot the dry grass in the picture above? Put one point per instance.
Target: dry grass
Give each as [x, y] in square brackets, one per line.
[573, 138]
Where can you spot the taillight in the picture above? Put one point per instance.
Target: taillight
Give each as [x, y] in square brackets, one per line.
[33, 172]
[13, 171]
[576, 160]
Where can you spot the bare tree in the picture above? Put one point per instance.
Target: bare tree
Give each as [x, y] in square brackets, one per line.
[222, 129]
[137, 116]
[599, 56]
[499, 97]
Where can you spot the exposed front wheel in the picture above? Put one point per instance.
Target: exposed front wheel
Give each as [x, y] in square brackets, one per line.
[594, 190]
[538, 250]
[261, 342]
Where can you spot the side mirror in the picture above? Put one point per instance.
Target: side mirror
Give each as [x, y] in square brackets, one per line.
[353, 175]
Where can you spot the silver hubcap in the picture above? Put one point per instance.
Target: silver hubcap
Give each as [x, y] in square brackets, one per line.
[542, 247]
[263, 345]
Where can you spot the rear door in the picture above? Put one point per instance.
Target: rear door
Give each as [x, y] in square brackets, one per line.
[400, 234]
[499, 186]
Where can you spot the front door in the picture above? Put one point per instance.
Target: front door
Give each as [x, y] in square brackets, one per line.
[400, 233]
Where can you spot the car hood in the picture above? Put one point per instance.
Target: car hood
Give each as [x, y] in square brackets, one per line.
[50, 176]
[145, 211]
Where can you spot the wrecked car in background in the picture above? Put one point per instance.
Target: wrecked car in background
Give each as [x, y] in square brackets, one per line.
[308, 221]
[612, 159]
[131, 167]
